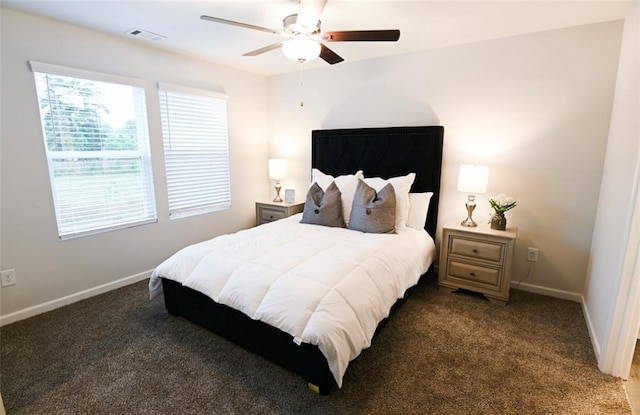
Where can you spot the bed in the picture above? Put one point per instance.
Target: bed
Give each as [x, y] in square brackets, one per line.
[242, 313]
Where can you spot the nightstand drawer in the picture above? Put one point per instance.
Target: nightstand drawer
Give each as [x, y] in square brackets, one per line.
[270, 215]
[477, 249]
[472, 272]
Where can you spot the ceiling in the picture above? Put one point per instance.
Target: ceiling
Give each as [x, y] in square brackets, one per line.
[422, 24]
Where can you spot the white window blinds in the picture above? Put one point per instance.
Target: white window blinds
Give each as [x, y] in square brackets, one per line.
[196, 150]
[97, 146]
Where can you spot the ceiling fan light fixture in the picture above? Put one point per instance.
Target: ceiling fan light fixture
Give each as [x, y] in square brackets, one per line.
[301, 49]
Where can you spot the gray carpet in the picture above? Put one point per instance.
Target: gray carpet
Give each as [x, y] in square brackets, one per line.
[439, 354]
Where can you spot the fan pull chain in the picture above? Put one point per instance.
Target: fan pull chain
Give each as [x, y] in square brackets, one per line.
[301, 87]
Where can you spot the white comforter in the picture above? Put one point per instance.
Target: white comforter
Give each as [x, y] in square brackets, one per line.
[325, 286]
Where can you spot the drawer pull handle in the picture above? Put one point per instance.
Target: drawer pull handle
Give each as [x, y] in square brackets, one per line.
[475, 250]
[271, 217]
[473, 274]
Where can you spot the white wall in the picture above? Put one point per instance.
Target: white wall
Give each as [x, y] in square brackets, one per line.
[616, 239]
[48, 269]
[536, 108]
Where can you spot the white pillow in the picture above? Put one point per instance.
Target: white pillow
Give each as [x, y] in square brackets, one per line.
[346, 183]
[418, 209]
[401, 185]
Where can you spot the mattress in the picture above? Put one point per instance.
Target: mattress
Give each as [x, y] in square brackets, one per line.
[328, 287]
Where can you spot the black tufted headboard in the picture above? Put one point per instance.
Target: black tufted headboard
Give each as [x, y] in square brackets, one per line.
[384, 152]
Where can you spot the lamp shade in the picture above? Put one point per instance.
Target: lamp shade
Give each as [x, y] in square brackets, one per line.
[277, 169]
[301, 48]
[473, 178]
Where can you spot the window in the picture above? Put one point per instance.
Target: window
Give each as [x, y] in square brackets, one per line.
[196, 150]
[97, 146]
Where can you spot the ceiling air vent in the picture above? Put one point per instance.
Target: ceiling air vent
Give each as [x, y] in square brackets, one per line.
[144, 34]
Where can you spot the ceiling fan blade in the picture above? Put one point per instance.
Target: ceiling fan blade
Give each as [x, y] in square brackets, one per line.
[238, 24]
[329, 56]
[263, 50]
[362, 36]
[310, 12]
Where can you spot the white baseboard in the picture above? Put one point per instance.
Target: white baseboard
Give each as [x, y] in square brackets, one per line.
[594, 340]
[101, 289]
[70, 299]
[551, 292]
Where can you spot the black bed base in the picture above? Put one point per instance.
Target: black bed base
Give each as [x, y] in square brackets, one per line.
[260, 338]
[255, 336]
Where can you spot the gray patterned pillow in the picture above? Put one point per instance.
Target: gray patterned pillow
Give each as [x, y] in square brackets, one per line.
[371, 212]
[323, 208]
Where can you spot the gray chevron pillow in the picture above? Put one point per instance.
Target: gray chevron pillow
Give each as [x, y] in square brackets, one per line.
[373, 212]
[323, 207]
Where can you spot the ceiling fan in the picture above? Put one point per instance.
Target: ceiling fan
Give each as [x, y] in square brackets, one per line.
[305, 37]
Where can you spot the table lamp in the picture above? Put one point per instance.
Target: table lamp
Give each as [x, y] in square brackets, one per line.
[277, 171]
[472, 180]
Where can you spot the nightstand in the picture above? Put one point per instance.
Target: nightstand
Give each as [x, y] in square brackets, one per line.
[270, 211]
[477, 259]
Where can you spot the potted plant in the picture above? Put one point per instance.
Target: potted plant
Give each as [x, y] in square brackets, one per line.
[500, 205]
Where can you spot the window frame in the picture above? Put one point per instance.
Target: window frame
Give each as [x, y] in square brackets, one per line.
[143, 152]
[165, 88]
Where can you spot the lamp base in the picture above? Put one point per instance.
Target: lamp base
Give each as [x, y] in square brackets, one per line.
[277, 198]
[470, 205]
[469, 223]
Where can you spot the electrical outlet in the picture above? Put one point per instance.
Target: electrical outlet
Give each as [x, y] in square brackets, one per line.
[532, 254]
[8, 277]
